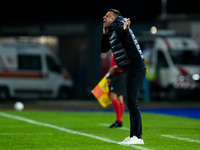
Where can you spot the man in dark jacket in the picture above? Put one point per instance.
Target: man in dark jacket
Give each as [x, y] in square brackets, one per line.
[118, 37]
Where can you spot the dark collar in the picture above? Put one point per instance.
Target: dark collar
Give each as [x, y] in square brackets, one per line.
[118, 20]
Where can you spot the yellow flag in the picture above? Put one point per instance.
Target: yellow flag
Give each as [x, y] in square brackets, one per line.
[101, 92]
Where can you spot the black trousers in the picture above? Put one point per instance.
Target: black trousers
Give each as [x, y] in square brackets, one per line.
[133, 83]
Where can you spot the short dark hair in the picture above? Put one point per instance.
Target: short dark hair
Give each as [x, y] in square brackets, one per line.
[116, 12]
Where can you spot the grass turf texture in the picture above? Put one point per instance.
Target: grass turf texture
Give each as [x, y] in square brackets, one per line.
[16, 134]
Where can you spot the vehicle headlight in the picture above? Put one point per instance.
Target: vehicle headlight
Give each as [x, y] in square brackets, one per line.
[195, 77]
[181, 78]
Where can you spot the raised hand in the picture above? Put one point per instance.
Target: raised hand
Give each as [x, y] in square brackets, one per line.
[127, 24]
[105, 30]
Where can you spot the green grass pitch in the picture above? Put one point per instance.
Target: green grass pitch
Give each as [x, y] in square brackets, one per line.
[83, 130]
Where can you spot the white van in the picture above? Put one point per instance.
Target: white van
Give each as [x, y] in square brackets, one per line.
[175, 60]
[31, 70]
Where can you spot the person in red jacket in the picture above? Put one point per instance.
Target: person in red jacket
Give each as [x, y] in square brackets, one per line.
[115, 87]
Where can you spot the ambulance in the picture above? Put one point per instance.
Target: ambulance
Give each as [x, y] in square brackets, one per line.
[31, 70]
[174, 63]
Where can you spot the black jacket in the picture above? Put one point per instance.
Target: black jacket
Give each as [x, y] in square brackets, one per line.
[124, 46]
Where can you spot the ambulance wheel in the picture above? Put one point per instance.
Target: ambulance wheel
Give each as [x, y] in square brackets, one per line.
[171, 94]
[4, 95]
[63, 93]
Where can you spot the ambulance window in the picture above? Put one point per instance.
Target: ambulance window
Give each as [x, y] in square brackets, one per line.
[52, 65]
[162, 62]
[1, 66]
[29, 62]
[186, 57]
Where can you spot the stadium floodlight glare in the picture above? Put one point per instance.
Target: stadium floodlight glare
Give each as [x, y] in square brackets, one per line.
[103, 55]
[153, 30]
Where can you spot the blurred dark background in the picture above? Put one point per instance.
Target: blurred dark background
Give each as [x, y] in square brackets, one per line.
[76, 27]
[22, 11]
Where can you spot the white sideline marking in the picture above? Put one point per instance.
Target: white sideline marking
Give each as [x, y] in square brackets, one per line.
[183, 139]
[66, 130]
[107, 125]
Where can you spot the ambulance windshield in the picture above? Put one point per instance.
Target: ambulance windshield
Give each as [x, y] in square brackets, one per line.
[186, 57]
[1, 66]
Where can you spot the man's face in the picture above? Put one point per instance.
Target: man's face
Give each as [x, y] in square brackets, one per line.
[108, 19]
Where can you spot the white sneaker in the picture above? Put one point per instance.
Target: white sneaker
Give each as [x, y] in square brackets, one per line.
[131, 140]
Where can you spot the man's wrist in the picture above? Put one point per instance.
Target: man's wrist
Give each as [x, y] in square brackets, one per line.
[116, 67]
